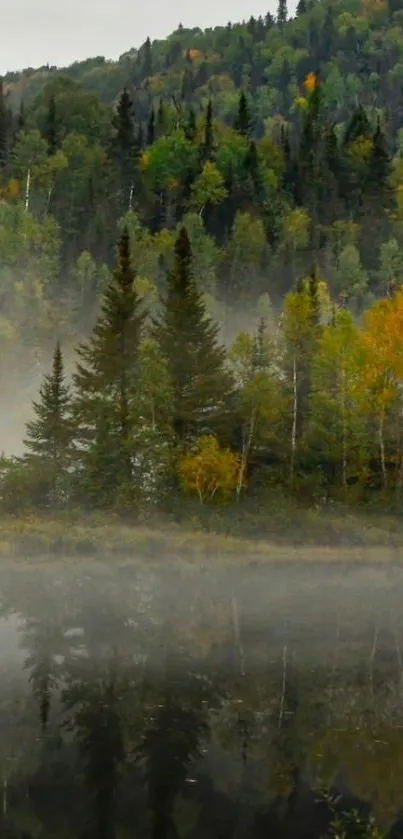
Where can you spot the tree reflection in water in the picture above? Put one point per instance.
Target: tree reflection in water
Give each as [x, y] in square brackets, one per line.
[149, 705]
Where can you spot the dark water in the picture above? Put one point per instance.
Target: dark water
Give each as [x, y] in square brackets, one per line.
[200, 704]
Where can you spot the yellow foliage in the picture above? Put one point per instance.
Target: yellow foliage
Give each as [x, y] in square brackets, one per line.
[145, 159]
[301, 102]
[311, 82]
[12, 189]
[382, 343]
[211, 472]
[172, 183]
[192, 54]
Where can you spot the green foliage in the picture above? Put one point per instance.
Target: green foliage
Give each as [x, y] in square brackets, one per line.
[188, 340]
[105, 385]
[232, 163]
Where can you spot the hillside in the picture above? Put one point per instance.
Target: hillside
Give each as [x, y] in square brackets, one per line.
[252, 172]
[355, 45]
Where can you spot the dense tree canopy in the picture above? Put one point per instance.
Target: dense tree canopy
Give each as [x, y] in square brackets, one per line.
[272, 149]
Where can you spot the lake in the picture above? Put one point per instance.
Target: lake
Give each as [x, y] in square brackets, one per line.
[200, 703]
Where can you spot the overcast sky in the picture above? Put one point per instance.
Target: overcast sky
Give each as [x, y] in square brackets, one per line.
[37, 32]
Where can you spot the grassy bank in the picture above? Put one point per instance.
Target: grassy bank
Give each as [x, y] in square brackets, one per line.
[318, 536]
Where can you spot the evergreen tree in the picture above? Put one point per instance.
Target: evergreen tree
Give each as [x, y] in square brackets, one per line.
[3, 128]
[21, 119]
[259, 355]
[243, 122]
[51, 131]
[189, 341]
[161, 120]
[190, 127]
[208, 140]
[151, 128]
[310, 155]
[49, 434]
[124, 151]
[379, 168]
[147, 58]
[105, 381]
[282, 12]
[301, 8]
[358, 126]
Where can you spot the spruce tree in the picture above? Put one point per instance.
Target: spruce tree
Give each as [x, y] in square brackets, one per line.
[49, 435]
[379, 167]
[147, 58]
[208, 139]
[151, 128]
[243, 122]
[161, 120]
[282, 13]
[105, 381]
[188, 340]
[3, 128]
[21, 119]
[124, 151]
[190, 127]
[50, 132]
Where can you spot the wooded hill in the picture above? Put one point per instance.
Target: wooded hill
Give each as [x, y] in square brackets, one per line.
[275, 142]
[254, 172]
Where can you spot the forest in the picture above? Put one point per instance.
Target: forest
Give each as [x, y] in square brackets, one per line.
[206, 235]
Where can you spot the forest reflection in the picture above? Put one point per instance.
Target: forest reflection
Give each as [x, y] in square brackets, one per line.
[201, 705]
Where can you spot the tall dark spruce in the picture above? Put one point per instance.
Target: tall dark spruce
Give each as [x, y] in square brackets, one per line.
[49, 434]
[105, 383]
[189, 341]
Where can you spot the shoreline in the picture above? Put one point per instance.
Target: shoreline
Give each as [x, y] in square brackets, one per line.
[153, 543]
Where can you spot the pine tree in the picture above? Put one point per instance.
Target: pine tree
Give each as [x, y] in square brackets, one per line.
[282, 12]
[105, 381]
[243, 122]
[301, 8]
[379, 168]
[49, 434]
[124, 151]
[358, 126]
[3, 128]
[189, 341]
[161, 120]
[50, 131]
[151, 128]
[21, 119]
[208, 140]
[147, 58]
[190, 127]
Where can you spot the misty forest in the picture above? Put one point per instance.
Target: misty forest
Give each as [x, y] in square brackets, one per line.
[200, 261]
[201, 435]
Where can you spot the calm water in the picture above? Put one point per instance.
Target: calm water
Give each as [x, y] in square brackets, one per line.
[199, 704]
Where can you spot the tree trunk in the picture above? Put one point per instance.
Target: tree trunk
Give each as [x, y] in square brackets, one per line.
[294, 418]
[27, 190]
[344, 425]
[382, 446]
[245, 453]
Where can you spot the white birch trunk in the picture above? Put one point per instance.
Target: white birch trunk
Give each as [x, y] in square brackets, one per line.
[27, 190]
[294, 417]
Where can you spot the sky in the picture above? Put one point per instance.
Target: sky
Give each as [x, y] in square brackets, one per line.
[58, 32]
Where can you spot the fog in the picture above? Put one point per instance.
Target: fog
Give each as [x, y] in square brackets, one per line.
[218, 701]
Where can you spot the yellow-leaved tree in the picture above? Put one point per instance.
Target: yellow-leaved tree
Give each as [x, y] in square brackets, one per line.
[210, 471]
[382, 370]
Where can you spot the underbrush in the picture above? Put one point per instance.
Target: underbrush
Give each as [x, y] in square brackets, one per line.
[277, 531]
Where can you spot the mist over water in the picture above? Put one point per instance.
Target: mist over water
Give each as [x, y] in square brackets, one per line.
[203, 702]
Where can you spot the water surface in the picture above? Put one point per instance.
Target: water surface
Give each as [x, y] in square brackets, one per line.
[201, 704]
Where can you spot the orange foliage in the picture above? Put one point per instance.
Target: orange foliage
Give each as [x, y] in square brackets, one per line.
[193, 54]
[311, 82]
[382, 342]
